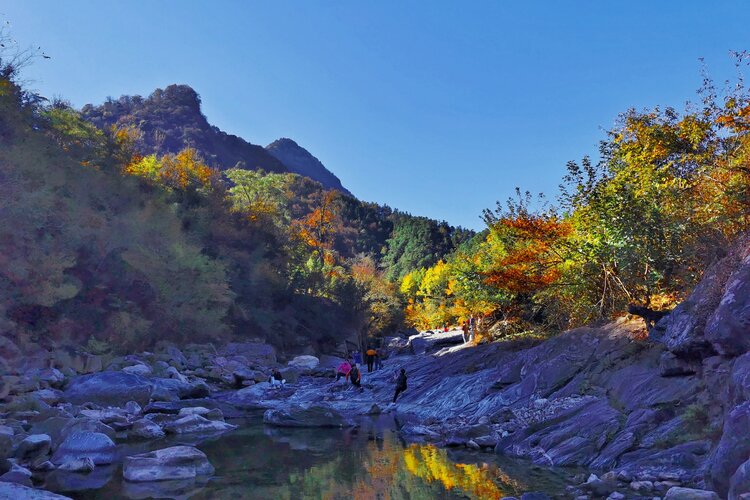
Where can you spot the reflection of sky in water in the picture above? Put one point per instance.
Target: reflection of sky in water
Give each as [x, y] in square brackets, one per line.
[365, 463]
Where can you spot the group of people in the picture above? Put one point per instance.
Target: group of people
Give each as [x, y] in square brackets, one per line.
[349, 370]
[469, 328]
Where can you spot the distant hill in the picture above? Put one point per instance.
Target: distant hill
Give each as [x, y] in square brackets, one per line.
[300, 161]
[170, 119]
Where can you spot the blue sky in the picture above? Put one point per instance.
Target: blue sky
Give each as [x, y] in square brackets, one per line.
[438, 108]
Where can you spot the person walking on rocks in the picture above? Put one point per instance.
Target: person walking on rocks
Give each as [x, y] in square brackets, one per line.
[355, 376]
[400, 384]
[371, 354]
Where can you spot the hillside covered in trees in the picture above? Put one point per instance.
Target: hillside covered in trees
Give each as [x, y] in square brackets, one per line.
[669, 194]
[149, 225]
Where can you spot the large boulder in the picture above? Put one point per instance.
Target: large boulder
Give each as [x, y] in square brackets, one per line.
[94, 445]
[108, 389]
[17, 474]
[145, 429]
[19, 492]
[740, 482]
[733, 448]
[716, 315]
[312, 415]
[177, 462]
[33, 447]
[727, 328]
[304, 363]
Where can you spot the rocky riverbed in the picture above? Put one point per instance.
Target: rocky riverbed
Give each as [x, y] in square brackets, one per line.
[666, 416]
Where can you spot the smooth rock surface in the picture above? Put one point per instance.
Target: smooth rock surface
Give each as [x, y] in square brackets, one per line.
[177, 462]
[94, 445]
[108, 389]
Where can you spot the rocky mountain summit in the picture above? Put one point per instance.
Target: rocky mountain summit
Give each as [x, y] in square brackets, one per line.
[647, 417]
[171, 119]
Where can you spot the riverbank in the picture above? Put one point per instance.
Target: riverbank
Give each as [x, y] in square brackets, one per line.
[568, 402]
[643, 415]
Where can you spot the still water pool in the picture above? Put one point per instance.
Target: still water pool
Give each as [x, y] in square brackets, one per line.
[370, 462]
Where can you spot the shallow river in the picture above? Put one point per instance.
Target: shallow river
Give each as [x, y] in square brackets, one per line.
[370, 462]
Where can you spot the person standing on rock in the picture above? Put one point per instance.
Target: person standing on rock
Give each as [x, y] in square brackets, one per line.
[357, 357]
[465, 328]
[400, 384]
[355, 376]
[371, 353]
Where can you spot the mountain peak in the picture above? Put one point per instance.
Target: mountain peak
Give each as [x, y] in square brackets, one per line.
[300, 161]
[179, 94]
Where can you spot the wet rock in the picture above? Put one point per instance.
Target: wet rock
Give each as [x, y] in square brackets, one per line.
[145, 429]
[19, 492]
[108, 389]
[310, 415]
[82, 465]
[33, 447]
[196, 424]
[616, 495]
[175, 463]
[94, 445]
[679, 493]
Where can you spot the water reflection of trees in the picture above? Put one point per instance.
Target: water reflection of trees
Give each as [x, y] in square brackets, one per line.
[387, 470]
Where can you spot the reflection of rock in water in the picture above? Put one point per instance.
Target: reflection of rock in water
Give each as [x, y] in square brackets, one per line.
[174, 489]
[317, 440]
[62, 481]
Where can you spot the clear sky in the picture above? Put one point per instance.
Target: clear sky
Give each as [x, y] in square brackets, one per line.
[438, 108]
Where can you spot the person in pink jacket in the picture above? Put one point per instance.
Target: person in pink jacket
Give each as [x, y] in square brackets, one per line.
[343, 371]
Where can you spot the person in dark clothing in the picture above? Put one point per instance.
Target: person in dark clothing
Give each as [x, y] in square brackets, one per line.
[354, 376]
[379, 353]
[400, 384]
